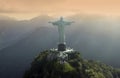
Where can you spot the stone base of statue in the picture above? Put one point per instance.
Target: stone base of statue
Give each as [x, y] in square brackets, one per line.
[61, 47]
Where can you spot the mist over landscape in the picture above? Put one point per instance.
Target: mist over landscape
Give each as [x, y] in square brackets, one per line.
[96, 37]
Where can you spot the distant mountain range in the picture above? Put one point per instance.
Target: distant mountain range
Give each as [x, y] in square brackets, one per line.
[97, 38]
[12, 30]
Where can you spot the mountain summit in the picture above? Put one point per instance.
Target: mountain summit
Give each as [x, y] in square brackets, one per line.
[68, 64]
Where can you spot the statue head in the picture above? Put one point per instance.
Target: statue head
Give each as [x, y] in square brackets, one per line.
[61, 18]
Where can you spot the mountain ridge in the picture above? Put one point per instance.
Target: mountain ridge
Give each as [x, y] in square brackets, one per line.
[74, 66]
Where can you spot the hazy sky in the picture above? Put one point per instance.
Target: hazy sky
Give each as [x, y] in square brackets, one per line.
[29, 8]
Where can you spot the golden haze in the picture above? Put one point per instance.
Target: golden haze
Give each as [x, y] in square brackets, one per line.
[25, 9]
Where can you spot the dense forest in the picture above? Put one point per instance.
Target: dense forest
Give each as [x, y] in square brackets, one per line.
[74, 67]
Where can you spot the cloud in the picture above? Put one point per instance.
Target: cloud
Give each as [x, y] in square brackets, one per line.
[58, 6]
[10, 6]
[10, 11]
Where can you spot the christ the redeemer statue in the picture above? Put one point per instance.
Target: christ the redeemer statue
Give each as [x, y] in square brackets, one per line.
[61, 25]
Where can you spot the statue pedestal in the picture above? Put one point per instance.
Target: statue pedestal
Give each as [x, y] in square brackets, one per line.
[61, 47]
